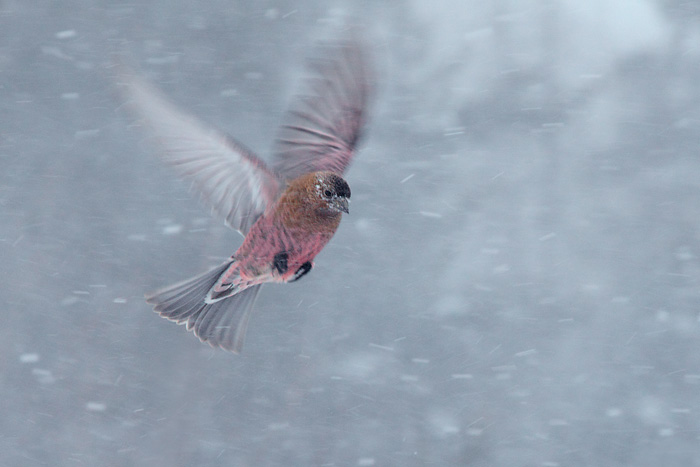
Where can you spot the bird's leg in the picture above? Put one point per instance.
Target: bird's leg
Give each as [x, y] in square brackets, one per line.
[302, 271]
[279, 262]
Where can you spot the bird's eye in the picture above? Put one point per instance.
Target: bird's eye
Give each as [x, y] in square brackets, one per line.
[327, 193]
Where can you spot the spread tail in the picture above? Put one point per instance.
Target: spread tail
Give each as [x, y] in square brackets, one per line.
[222, 323]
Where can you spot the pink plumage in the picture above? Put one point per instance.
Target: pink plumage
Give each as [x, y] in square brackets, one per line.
[287, 213]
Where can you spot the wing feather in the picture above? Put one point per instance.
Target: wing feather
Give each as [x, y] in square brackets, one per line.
[236, 184]
[323, 126]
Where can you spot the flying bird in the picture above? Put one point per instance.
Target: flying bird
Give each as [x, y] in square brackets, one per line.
[287, 212]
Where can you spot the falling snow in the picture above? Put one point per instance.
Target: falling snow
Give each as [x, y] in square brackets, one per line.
[517, 284]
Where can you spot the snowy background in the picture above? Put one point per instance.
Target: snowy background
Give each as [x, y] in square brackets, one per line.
[517, 284]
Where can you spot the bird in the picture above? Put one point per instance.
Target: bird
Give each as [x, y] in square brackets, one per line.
[286, 211]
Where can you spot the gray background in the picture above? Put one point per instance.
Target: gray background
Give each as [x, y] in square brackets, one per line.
[517, 283]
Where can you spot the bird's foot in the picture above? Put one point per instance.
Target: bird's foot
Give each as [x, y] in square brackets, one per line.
[302, 271]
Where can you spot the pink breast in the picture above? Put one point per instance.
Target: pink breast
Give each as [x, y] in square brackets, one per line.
[266, 239]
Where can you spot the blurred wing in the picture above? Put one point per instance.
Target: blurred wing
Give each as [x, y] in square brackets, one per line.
[322, 128]
[230, 178]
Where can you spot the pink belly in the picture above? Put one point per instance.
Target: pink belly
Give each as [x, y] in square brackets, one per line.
[256, 255]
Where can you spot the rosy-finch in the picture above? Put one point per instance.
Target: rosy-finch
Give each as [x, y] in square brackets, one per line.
[286, 212]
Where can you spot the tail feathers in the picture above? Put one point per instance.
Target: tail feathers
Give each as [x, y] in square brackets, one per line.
[220, 324]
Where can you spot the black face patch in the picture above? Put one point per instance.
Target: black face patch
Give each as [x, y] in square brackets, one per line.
[340, 186]
[279, 262]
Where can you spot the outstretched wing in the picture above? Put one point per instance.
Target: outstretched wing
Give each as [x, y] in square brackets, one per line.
[230, 178]
[323, 126]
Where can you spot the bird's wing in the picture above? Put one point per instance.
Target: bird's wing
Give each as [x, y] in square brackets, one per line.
[231, 179]
[323, 126]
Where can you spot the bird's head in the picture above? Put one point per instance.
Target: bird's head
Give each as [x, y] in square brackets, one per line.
[314, 201]
[333, 191]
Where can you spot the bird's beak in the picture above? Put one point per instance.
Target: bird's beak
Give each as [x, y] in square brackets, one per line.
[342, 204]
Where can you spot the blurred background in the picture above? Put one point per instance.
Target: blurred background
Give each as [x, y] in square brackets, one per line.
[517, 283]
